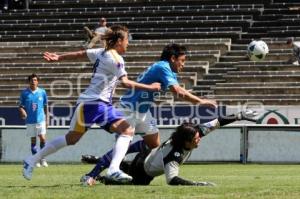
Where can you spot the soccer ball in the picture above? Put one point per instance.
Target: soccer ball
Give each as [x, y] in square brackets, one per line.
[257, 50]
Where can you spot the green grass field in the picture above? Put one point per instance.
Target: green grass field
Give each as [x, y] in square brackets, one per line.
[233, 181]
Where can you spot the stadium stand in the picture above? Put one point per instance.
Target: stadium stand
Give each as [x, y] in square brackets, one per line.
[215, 32]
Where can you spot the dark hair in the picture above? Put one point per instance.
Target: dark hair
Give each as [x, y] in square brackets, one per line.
[289, 40]
[184, 133]
[112, 35]
[172, 49]
[33, 75]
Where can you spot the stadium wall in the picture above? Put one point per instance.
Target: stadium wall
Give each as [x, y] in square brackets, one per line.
[15, 146]
[236, 143]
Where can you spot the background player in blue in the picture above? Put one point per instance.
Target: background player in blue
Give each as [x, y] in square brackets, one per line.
[136, 103]
[33, 109]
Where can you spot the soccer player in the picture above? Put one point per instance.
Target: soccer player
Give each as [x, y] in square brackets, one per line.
[94, 104]
[136, 103]
[167, 158]
[33, 108]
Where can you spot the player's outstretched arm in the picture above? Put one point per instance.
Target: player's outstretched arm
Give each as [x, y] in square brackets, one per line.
[180, 181]
[58, 57]
[186, 95]
[134, 85]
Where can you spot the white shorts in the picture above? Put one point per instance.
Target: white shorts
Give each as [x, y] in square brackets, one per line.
[34, 130]
[143, 123]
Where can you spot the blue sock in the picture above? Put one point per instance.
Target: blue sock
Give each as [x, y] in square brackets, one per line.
[33, 149]
[105, 160]
[42, 145]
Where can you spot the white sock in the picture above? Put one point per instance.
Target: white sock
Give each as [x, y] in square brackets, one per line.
[119, 152]
[50, 147]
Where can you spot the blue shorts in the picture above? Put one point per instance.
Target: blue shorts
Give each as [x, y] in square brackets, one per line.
[95, 112]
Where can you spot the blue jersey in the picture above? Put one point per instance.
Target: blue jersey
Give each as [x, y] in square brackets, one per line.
[33, 102]
[141, 100]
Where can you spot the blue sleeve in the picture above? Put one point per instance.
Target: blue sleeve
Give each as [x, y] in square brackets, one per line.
[167, 77]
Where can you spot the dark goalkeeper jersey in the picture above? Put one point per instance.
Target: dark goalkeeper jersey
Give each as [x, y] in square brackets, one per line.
[166, 158]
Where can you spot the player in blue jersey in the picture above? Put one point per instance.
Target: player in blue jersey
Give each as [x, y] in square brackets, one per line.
[33, 109]
[136, 103]
[94, 105]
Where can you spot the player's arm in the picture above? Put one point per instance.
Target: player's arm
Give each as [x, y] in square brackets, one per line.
[22, 112]
[127, 83]
[186, 95]
[69, 55]
[46, 115]
[171, 172]
[46, 110]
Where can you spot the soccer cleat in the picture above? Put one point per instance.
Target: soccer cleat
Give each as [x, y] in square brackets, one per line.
[248, 115]
[44, 163]
[90, 159]
[106, 181]
[38, 165]
[27, 171]
[87, 181]
[119, 176]
[100, 178]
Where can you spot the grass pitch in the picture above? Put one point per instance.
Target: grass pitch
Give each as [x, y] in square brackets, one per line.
[233, 181]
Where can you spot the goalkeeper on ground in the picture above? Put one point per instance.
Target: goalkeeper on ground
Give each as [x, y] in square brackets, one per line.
[166, 158]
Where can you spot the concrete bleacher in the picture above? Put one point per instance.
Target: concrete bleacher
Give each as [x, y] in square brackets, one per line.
[159, 20]
[216, 34]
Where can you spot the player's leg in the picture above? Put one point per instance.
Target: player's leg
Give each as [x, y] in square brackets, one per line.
[78, 127]
[119, 151]
[33, 145]
[152, 140]
[116, 155]
[227, 119]
[144, 123]
[113, 122]
[34, 149]
[104, 162]
[148, 125]
[41, 131]
[137, 171]
[31, 131]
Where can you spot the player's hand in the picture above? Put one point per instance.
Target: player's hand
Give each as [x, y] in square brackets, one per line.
[51, 56]
[156, 86]
[23, 114]
[209, 103]
[204, 184]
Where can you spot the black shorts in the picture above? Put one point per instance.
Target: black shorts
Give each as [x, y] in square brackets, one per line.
[137, 171]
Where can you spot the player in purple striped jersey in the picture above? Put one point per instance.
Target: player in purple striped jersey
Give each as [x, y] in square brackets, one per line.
[94, 105]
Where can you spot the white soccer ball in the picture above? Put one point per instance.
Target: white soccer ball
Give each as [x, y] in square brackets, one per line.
[257, 50]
